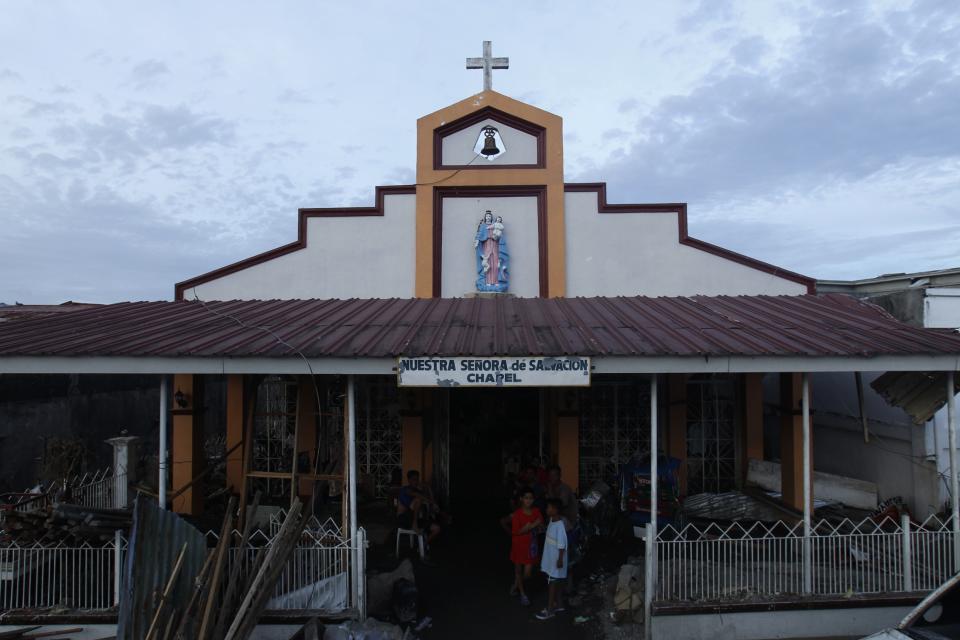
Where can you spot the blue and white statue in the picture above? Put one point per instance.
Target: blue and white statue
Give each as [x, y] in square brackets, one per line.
[493, 259]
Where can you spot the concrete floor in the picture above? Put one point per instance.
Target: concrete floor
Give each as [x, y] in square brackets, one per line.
[466, 592]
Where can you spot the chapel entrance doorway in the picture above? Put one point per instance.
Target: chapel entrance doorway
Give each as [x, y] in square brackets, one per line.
[492, 432]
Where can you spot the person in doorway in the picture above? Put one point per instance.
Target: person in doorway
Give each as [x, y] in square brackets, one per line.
[416, 508]
[559, 490]
[555, 559]
[523, 548]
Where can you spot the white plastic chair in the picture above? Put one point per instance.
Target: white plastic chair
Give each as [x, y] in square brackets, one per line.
[413, 538]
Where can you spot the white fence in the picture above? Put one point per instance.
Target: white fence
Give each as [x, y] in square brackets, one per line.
[324, 573]
[101, 490]
[46, 576]
[764, 562]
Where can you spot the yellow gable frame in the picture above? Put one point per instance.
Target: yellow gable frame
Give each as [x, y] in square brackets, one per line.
[432, 179]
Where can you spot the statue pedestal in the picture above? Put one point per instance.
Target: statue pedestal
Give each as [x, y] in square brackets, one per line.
[488, 294]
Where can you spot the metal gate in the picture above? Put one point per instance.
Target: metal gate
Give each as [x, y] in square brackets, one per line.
[711, 445]
[614, 427]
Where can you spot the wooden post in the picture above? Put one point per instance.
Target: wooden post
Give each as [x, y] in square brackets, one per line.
[791, 440]
[752, 420]
[568, 449]
[234, 419]
[412, 445]
[677, 424]
[307, 411]
[188, 456]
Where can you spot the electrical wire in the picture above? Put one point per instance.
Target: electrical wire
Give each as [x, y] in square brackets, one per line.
[445, 178]
[281, 341]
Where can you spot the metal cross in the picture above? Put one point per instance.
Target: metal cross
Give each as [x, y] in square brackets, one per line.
[488, 63]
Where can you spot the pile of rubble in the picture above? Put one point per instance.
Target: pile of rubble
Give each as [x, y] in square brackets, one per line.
[63, 522]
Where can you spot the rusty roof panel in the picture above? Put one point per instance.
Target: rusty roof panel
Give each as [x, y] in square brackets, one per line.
[810, 325]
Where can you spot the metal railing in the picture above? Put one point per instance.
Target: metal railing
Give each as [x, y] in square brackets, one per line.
[766, 561]
[102, 490]
[73, 577]
[325, 572]
[26, 502]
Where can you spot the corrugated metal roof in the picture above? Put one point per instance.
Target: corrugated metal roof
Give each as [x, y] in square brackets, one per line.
[920, 394]
[825, 325]
[10, 312]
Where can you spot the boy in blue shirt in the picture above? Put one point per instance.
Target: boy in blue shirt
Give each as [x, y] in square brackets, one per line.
[554, 560]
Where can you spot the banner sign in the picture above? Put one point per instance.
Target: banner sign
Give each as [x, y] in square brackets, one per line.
[528, 371]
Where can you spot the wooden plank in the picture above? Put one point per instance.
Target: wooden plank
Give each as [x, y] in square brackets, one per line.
[213, 588]
[260, 588]
[226, 606]
[177, 566]
[58, 632]
[16, 633]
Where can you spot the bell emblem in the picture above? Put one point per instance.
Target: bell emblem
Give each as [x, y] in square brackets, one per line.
[490, 142]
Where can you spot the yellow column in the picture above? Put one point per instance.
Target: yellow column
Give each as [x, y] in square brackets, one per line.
[412, 445]
[791, 441]
[234, 419]
[568, 449]
[306, 433]
[752, 419]
[187, 449]
[677, 422]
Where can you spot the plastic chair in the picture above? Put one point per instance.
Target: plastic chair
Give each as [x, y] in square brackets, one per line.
[413, 538]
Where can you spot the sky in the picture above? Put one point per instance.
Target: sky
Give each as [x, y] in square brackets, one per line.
[145, 143]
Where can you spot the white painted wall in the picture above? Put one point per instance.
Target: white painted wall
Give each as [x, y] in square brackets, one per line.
[345, 257]
[457, 148]
[942, 308]
[460, 219]
[613, 254]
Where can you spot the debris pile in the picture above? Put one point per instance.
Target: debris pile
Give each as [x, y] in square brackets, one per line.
[222, 600]
[63, 522]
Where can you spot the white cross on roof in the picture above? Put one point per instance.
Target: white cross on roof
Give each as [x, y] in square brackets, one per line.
[488, 63]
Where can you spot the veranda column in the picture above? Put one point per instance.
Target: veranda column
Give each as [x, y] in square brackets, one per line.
[162, 453]
[807, 486]
[304, 461]
[234, 420]
[952, 442]
[651, 544]
[187, 444]
[677, 424]
[351, 477]
[791, 440]
[752, 420]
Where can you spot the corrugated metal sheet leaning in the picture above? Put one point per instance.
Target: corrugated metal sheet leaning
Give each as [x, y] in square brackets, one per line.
[156, 538]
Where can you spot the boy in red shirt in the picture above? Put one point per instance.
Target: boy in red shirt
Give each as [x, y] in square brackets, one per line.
[523, 548]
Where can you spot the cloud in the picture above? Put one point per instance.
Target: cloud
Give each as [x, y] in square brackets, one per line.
[147, 74]
[10, 75]
[293, 96]
[845, 103]
[181, 127]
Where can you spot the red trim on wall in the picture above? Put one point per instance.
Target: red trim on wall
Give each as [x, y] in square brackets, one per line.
[680, 208]
[301, 242]
[540, 133]
[537, 191]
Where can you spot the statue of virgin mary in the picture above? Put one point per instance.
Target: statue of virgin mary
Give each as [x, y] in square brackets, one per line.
[493, 259]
